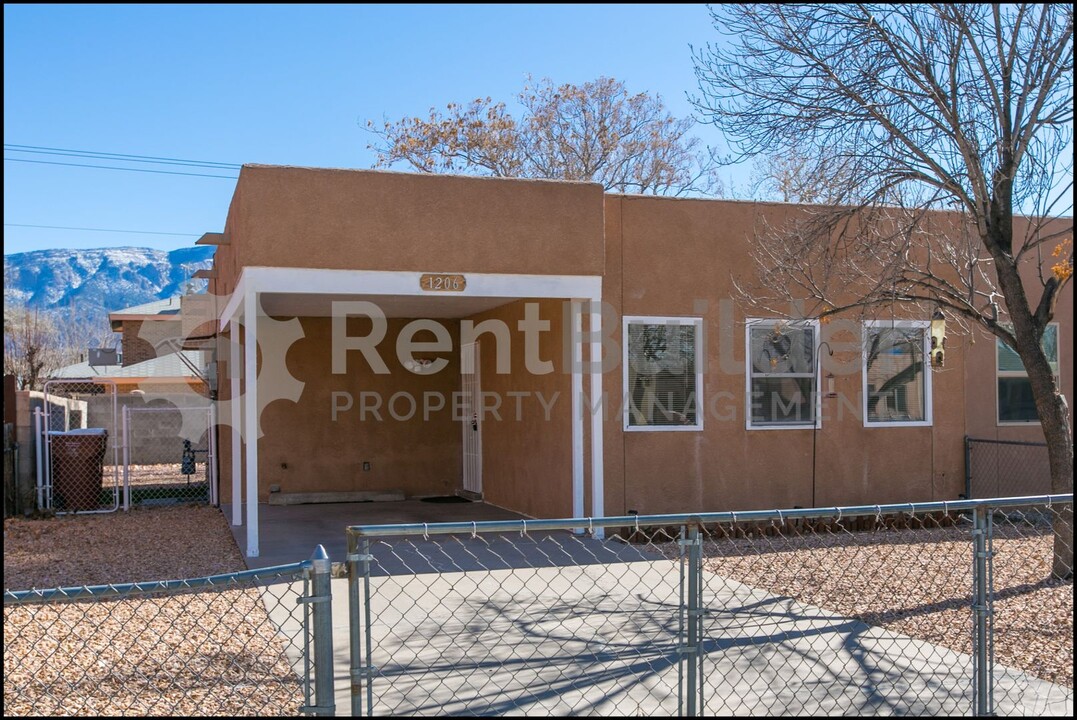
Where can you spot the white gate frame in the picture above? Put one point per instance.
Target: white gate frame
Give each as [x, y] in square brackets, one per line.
[43, 423]
[211, 448]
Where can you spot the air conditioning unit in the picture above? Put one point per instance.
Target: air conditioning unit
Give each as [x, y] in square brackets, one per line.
[104, 356]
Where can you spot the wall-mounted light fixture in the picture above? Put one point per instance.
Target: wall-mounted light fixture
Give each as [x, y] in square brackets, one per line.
[419, 365]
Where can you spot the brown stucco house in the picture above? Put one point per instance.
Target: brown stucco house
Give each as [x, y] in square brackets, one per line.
[422, 334]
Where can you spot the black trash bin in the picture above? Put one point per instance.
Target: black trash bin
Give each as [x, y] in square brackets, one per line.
[77, 460]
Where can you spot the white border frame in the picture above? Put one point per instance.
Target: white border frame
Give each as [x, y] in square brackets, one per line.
[1024, 374]
[810, 322]
[929, 397]
[700, 355]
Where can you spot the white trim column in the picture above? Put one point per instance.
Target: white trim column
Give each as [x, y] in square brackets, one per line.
[576, 311]
[250, 420]
[236, 416]
[597, 410]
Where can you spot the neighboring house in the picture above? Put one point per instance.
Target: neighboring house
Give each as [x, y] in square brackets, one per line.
[151, 356]
[707, 407]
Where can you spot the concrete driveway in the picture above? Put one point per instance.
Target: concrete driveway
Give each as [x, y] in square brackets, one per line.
[289, 533]
[593, 629]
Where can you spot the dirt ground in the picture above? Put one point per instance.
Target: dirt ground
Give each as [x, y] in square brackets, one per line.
[203, 653]
[917, 582]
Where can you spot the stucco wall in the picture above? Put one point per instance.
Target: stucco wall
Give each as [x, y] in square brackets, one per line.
[679, 258]
[375, 220]
[304, 449]
[527, 454]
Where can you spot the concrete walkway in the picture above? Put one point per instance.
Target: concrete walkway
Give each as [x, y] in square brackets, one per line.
[289, 533]
[576, 636]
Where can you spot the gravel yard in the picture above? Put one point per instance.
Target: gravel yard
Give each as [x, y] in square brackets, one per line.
[918, 583]
[204, 653]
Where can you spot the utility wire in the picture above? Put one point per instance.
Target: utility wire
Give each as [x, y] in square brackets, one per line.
[107, 167]
[134, 232]
[99, 155]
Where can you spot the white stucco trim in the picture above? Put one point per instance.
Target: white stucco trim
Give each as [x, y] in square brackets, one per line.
[393, 282]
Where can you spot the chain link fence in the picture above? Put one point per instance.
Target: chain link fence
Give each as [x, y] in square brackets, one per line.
[169, 455]
[941, 608]
[1006, 468]
[228, 645]
[78, 457]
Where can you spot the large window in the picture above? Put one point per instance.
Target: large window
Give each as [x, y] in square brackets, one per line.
[663, 373]
[1015, 403]
[782, 375]
[897, 381]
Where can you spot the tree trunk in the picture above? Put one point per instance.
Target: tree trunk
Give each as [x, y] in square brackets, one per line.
[1051, 407]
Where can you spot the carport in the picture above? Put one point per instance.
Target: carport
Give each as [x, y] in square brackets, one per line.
[336, 295]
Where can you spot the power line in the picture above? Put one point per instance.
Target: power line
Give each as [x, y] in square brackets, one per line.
[107, 167]
[94, 156]
[100, 155]
[134, 232]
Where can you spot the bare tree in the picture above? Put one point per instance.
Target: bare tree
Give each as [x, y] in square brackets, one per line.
[594, 132]
[31, 350]
[963, 108]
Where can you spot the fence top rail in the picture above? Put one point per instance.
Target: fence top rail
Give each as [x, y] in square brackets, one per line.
[523, 526]
[991, 441]
[127, 590]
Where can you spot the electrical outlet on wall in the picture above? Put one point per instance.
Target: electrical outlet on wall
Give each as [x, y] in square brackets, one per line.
[366, 466]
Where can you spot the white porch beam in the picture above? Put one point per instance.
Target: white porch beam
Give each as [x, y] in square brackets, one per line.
[393, 282]
[250, 419]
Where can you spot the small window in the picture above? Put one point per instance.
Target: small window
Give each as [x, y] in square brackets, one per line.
[1015, 403]
[663, 376]
[897, 382]
[782, 376]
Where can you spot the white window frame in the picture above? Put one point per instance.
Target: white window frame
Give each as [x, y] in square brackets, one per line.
[1024, 374]
[812, 323]
[929, 402]
[700, 405]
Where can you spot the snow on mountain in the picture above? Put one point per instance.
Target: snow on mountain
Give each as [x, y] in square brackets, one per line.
[92, 283]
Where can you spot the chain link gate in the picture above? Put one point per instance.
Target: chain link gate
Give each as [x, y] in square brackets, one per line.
[169, 455]
[891, 609]
[78, 447]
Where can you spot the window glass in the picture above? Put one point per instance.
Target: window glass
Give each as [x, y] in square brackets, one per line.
[782, 373]
[1015, 403]
[896, 384]
[662, 374]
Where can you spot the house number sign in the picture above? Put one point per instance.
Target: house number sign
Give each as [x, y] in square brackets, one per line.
[442, 283]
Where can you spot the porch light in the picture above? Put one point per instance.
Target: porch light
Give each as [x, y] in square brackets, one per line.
[419, 365]
[938, 337]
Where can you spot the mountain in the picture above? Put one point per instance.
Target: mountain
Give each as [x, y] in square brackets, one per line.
[91, 283]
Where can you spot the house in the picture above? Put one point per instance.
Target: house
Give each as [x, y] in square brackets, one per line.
[427, 334]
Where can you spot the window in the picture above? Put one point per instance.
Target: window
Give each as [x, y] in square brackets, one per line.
[1015, 403]
[663, 373]
[897, 382]
[782, 376]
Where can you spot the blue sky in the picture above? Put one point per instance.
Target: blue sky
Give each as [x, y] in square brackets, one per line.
[279, 84]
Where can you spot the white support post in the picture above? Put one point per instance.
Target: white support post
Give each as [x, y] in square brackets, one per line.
[39, 441]
[576, 310]
[250, 413]
[236, 412]
[597, 410]
[126, 457]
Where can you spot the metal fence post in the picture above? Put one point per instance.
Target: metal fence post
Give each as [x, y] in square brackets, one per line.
[322, 594]
[981, 690]
[692, 647]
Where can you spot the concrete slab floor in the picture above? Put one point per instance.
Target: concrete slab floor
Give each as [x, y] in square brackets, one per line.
[289, 534]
